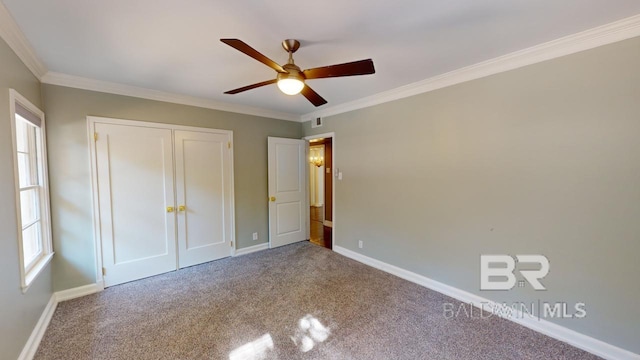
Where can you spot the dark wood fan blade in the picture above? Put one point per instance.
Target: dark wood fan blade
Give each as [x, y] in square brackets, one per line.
[362, 67]
[244, 48]
[312, 96]
[249, 87]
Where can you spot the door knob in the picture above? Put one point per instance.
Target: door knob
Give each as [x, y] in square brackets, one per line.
[273, 198]
[170, 209]
[182, 208]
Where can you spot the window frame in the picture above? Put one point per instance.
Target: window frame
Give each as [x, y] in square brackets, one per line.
[35, 267]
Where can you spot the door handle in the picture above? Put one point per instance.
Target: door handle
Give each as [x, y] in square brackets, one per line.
[170, 209]
[182, 208]
[273, 199]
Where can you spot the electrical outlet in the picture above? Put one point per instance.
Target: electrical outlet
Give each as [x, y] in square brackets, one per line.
[255, 236]
[360, 244]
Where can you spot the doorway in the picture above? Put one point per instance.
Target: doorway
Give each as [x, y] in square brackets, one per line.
[321, 191]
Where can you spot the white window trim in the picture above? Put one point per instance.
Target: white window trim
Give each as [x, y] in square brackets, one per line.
[27, 278]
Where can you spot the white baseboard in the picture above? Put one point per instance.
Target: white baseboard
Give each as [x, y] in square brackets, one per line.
[545, 327]
[252, 249]
[30, 348]
[77, 292]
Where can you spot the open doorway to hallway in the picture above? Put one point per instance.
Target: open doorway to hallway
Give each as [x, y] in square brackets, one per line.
[321, 191]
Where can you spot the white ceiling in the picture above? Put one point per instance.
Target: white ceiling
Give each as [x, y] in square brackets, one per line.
[173, 46]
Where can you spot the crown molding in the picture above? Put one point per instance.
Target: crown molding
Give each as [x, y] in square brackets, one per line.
[79, 82]
[606, 34]
[11, 33]
[17, 41]
[15, 38]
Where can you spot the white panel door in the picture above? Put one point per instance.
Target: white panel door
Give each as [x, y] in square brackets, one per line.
[135, 190]
[287, 191]
[203, 192]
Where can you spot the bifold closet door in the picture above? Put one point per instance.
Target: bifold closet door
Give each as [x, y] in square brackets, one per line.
[136, 199]
[203, 193]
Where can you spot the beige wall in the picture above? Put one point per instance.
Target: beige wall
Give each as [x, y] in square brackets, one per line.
[539, 160]
[67, 109]
[18, 312]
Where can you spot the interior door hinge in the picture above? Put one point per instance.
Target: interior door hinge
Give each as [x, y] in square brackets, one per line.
[95, 136]
[229, 145]
[231, 244]
[104, 271]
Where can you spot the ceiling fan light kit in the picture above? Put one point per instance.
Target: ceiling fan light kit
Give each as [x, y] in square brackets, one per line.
[290, 79]
[290, 86]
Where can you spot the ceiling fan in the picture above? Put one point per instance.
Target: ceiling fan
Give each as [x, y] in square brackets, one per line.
[290, 79]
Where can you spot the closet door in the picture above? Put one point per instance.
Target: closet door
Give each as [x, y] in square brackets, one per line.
[203, 193]
[136, 199]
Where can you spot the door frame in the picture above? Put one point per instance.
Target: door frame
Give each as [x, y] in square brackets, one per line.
[97, 238]
[334, 171]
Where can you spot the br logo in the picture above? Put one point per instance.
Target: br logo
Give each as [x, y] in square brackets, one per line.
[497, 271]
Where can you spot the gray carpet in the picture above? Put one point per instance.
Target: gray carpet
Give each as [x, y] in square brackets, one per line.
[296, 302]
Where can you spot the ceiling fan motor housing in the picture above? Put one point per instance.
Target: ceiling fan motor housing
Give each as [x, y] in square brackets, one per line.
[293, 72]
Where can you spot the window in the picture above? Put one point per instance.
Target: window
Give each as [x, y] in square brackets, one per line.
[32, 188]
